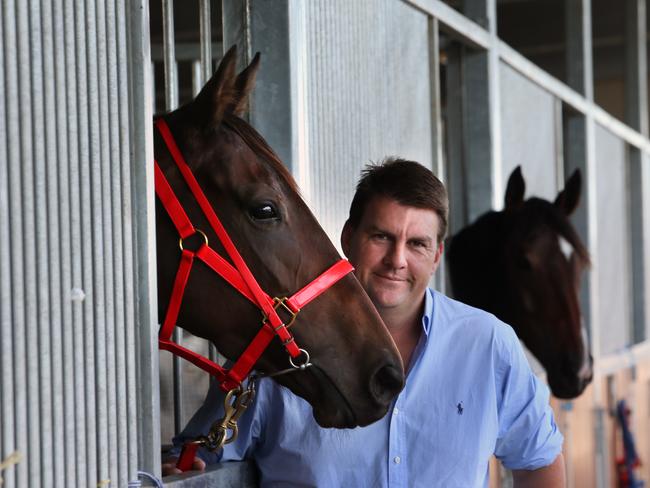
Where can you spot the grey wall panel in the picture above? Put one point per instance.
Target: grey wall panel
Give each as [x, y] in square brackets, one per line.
[366, 102]
[613, 242]
[68, 293]
[528, 133]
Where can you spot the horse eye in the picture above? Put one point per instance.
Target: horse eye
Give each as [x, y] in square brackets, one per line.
[265, 211]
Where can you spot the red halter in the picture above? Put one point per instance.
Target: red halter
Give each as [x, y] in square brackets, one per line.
[238, 276]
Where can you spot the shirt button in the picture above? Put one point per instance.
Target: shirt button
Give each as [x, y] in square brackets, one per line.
[397, 459]
[395, 411]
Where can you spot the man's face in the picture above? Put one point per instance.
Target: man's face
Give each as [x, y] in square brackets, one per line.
[395, 252]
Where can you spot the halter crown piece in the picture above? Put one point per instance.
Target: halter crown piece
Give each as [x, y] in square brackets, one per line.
[239, 277]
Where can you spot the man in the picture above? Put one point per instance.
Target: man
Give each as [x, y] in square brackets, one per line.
[469, 392]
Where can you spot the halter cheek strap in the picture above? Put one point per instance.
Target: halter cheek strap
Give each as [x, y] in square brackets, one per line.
[238, 276]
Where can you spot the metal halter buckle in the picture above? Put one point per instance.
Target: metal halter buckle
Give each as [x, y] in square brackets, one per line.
[282, 303]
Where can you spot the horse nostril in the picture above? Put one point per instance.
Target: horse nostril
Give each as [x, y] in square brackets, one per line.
[386, 383]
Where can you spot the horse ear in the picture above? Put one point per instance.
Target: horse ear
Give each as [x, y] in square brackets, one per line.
[244, 85]
[515, 189]
[218, 94]
[567, 200]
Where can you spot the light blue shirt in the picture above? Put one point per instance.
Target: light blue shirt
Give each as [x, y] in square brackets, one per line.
[469, 394]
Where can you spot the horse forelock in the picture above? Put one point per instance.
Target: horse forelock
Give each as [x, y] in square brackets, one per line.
[537, 209]
[260, 147]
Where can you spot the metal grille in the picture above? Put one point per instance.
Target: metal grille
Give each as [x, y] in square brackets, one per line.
[69, 264]
[185, 46]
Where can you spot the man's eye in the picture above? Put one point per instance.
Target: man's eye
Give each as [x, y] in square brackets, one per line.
[265, 211]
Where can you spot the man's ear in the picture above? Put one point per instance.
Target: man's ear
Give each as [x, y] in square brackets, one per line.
[346, 236]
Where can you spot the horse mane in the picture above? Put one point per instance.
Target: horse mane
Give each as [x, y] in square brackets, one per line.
[260, 147]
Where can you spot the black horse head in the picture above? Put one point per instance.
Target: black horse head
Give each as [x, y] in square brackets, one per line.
[524, 264]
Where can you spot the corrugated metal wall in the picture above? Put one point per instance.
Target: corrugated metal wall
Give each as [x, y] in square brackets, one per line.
[368, 96]
[68, 263]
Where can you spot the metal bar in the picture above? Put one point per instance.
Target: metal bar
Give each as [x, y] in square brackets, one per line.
[27, 266]
[578, 45]
[206, 41]
[179, 413]
[494, 105]
[76, 104]
[121, 213]
[636, 66]
[128, 401]
[103, 265]
[65, 393]
[94, 201]
[436, 122]
[92, 304]
[116, 381]
[144, 234]
[171, 74]
[59, 244]
[8, 388]
[197, 82]
[645, 215]
[637, 254]
[47, 226]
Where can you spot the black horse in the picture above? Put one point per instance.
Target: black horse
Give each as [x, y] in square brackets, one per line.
[524, 264]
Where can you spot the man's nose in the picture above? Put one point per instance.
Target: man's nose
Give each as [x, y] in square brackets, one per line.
[396, 256]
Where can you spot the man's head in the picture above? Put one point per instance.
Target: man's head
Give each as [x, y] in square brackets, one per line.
[394, 234]
[407, 182]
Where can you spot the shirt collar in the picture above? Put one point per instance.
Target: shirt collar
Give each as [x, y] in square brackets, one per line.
[427, 316]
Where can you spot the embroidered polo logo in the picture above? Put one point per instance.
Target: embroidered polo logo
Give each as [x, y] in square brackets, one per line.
[460, 408]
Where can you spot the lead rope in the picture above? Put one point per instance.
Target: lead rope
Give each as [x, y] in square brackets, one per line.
[234, 405]
[11, 460]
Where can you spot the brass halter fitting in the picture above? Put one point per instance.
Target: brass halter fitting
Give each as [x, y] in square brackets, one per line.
[197, 231]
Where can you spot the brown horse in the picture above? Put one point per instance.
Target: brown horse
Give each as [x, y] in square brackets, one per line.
[357, 369]
[524, 265]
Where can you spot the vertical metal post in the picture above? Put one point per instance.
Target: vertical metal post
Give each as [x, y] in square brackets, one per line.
[206, 40]
[436, 122]
[169, 53]
[179, 413]
[580, 153]
[143, 341]
[636, 66]
[636, 116]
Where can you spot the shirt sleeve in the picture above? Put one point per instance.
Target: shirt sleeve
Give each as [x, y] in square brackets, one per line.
[212, 410]
[528, 436]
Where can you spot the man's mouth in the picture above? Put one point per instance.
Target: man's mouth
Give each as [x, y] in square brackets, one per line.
[395, 279]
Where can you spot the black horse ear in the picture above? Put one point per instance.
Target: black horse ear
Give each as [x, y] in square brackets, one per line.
[567, 200]
[219, 94]
[244, 85]
[515, 189]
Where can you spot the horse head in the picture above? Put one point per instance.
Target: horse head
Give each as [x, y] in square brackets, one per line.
[357, 369]
[524, 264]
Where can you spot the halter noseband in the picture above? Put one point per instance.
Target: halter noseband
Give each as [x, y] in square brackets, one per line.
[238, 276]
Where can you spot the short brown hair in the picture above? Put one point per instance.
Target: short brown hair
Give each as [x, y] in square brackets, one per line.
[407, 182]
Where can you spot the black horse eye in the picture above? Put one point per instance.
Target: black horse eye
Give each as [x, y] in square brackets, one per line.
[265, 211]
